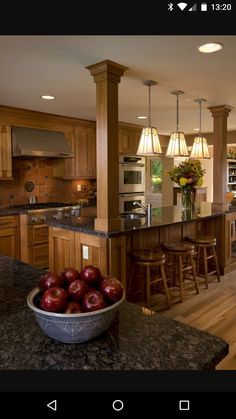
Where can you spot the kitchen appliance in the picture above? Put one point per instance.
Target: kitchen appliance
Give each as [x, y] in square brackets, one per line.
[39, 213]
[31, 142]
[131, 174]
[127, 200]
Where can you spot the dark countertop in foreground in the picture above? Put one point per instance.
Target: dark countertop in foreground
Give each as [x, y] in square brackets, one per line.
[135, 341]
[161, 217]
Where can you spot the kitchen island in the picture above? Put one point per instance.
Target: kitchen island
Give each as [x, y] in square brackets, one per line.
[75, 242]
[138, 339]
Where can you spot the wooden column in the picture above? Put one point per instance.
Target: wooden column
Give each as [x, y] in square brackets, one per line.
[107, 75]
[220, 115]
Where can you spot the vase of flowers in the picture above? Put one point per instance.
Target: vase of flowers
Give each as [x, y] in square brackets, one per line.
[188, 175]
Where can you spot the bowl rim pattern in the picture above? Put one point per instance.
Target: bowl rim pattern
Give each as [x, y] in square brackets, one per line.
[35, 291]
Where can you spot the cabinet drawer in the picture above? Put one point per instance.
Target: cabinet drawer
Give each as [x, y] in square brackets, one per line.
[38, 256]
[6, 222]
[37, 234]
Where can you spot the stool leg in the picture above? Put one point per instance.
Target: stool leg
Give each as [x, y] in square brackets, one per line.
[216, 263]
[198, 258]
[181, 286]
[194, 273]
[205, 266]
[163, 275]
[148, 285]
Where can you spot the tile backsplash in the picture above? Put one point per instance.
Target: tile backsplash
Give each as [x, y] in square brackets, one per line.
[46, 188]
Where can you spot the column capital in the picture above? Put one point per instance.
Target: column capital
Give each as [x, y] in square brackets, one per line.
[220, 111]
[107, 70]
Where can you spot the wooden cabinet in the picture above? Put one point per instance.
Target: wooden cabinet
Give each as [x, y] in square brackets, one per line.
[9, 236]
[72, 248]
[129, 140]
[231, 175]
[38, 245]
[83, 166]
[5, 152]
[34, 243]
[61, 249]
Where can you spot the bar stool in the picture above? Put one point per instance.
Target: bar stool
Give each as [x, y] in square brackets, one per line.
[205, 248]
[183, 264]
[150, 258]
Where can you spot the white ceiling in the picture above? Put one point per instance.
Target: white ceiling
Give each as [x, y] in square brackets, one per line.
[35, 65]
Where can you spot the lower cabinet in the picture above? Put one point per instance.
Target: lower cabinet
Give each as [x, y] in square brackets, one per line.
[9, 236]
[74, 249]
[34, 243]
[38, 245]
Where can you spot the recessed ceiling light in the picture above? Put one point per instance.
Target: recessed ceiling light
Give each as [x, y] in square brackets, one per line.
[141, 117]
[48, 97]
[196, 129]
[211, 47]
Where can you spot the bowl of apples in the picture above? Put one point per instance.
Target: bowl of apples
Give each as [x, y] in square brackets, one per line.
[73, 306]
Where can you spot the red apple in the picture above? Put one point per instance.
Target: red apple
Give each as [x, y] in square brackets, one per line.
[73, 307]
[50, 279]
[93, 301]
[54, 299]
[69, 275]
[91, 274]
[77, 289]
[111, 288]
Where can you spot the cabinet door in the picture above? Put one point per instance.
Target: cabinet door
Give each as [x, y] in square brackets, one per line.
[69, 164]
[9, 237]
[5, 152]
[85, 151]
[129, 140]
[61, 248]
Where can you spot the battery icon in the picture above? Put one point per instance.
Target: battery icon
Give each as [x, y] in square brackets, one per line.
[203, 7]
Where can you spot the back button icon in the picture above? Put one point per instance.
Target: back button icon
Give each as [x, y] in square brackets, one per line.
[52, 405]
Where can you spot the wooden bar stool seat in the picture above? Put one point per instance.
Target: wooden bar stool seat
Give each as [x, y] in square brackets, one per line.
[183, 264]
[205, 248]
[150, 258]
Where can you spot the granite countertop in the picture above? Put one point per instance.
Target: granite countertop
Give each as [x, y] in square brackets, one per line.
[164, 216]
[135, 341]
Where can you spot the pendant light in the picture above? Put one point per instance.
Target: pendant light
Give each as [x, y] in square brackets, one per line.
[149, 143]
[177, 145]
[200, 147]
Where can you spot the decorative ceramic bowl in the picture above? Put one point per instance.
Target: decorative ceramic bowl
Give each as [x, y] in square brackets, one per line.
[73, 328]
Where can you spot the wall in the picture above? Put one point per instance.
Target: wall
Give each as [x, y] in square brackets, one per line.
[46, 189]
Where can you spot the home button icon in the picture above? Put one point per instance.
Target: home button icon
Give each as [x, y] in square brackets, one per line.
[118, 405]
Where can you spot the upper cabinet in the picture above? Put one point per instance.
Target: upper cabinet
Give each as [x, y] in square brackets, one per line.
[129, 139]
[5, 152]
[83, 165]
[85, 152]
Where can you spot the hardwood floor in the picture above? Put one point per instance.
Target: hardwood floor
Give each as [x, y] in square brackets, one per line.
[213, 310]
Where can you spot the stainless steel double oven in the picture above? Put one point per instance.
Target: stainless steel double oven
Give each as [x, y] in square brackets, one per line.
[131, 182]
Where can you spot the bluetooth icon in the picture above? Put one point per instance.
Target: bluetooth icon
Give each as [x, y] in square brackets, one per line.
[170, 7]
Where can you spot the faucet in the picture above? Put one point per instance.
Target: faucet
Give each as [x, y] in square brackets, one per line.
[146, 208]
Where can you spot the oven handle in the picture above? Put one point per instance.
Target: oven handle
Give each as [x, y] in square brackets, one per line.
[132, 164]
[126, 195]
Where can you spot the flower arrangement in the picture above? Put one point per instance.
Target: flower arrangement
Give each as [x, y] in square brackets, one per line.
[188, 175]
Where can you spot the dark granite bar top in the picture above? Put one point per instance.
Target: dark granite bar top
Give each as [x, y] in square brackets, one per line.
[135, 341]
[160, 217]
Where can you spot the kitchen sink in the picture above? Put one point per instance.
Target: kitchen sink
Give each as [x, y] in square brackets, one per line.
[132, 215]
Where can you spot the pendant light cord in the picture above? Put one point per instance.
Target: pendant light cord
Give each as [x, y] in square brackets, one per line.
[200, 120]
[149, 106]
[177, 122]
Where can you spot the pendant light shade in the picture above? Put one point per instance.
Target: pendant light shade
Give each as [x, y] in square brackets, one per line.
[177, 145]
[149, 143]
[200, 148]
